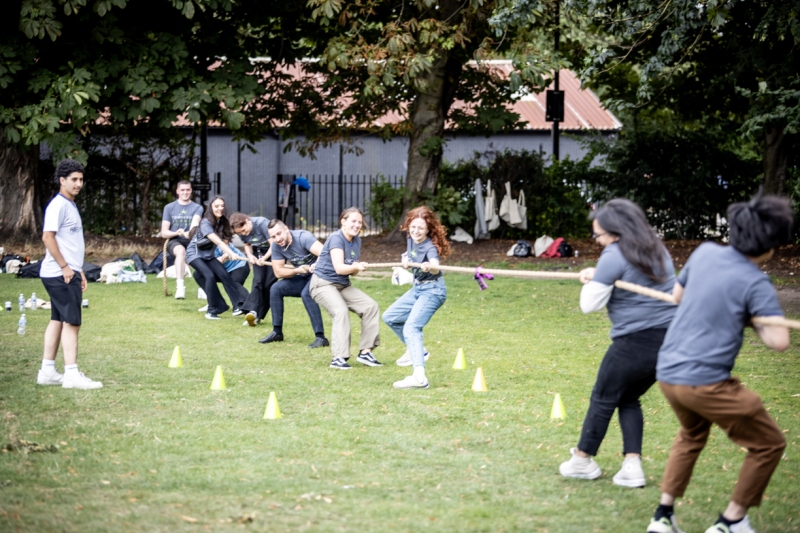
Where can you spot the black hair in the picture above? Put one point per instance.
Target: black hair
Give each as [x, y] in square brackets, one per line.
[757, 226]
[67, 167]
[222, 227]
[638, 241]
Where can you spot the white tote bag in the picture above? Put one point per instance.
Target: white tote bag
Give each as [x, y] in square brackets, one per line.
[506, 205]
[522, 211]
[491, 208]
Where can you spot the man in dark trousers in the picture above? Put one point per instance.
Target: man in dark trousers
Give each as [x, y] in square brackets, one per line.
[254, 232]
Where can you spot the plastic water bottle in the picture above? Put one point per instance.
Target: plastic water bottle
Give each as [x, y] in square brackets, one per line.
[21, 302]
[23, 322]
[33, 301]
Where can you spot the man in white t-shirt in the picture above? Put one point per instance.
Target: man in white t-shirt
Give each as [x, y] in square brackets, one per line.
[64, 281]
[177, 221]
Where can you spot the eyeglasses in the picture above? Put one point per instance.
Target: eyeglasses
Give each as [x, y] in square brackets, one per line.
[596, 235]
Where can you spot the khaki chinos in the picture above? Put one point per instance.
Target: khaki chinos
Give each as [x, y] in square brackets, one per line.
[741, 415]
[338, 300]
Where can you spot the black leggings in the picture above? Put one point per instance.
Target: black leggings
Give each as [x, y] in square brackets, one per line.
[628, 370]
[212, 271]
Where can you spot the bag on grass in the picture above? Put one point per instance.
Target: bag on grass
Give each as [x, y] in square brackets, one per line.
[31, 270]
[565, 249]
[552, 250]
[522, 249]
[91, 271]
[541, 245]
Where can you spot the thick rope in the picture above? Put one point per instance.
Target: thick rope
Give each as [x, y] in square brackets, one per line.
[624, 285]
[164, 267]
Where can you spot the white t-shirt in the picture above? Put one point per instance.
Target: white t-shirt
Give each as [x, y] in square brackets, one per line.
[62, 217]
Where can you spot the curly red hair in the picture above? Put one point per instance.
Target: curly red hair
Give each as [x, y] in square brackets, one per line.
[436, 231]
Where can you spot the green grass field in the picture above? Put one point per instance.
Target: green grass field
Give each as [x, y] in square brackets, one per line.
[156, 450]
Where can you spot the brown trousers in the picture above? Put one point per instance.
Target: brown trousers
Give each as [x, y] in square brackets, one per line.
[741, 415]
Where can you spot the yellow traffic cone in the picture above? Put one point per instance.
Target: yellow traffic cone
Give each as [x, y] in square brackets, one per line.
[273, 411]
[558, 408]
[219, 380]
[479, 384]
[176, 361]
[460, 363]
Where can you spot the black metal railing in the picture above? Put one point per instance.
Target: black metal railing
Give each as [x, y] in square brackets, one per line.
[317, 210]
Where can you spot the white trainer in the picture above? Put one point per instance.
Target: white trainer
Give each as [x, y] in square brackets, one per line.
[665, 525]
[52, 377]
[203, 309]
[742, 526]
[405, 360]
[201, 294]
[631, 474]
[78, 380]
[180, 293]
[580, 467]
[411, 383]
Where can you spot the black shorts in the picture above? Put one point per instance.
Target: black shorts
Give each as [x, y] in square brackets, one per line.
[176, 241]
[65, 299]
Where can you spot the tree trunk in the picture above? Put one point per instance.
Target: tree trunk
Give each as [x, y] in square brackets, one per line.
[427, 115]
[20, 211]
[776, 160]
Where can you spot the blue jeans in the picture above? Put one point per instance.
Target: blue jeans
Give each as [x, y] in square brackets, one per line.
[412, 312]
[295, 286]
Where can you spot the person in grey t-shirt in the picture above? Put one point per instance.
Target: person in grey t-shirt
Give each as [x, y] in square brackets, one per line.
[633, 253]
[177, 221]
[719, 290]
[300, 249]
[254, 231]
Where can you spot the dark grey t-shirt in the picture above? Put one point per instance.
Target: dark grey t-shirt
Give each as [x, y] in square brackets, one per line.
[630, 312]
[180, 216]
[191, 250]
[299, 252]
[352, 252]
[420, 253]
[723, 289]
[259, 235]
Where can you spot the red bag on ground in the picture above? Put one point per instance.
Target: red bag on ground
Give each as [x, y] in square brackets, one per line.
[552, 250]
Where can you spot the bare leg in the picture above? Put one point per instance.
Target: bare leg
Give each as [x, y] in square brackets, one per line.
[180, 261]
[667, 499]
[735, 511]
[52, 337]
[69, 343]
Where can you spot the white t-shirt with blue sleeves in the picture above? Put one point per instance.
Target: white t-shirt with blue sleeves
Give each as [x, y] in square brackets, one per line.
[723, 289]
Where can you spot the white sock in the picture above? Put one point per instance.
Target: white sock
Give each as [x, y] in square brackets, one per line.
[48, 365]
[419, 374]
[70, 369]
[180, 283]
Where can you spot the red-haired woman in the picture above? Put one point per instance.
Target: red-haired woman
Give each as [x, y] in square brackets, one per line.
[427, 243]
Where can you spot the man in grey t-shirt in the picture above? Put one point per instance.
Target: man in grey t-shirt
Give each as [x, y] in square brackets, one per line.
[300, 249]
[178, 219]
[720, 290]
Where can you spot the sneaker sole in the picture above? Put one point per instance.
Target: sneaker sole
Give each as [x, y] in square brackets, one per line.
[407, 362]
[81, 388]
[368, 363]
[630, 483]
[591, 475]
[427, 385]
[341, 367]
[49, 382]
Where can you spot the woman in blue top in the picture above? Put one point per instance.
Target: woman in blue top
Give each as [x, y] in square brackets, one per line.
[427, 243]
[633, 253]
[330, 288]
[217, 228]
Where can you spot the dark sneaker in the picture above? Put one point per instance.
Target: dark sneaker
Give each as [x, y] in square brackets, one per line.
[237, 312]
[368, 359]
[273, 336]
[340, 364]
[319, 342]
[212, 316]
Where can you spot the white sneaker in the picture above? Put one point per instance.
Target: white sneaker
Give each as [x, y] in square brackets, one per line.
[411, 383]
[405, 360]
[201, 294]
[51, 377]
[78, 380]
[665, 525]
[580, 467]
[738, 527]
[180, 293]
[203, 309]
[631, 473]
